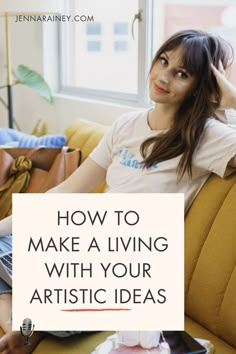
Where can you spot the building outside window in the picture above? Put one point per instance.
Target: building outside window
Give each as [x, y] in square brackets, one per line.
[94, 28]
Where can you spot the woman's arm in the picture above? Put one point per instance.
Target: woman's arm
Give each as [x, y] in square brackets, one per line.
[228, 96]
[232, 162]
[83, 180]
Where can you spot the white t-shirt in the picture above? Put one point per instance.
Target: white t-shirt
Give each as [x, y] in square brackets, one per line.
[119, 153]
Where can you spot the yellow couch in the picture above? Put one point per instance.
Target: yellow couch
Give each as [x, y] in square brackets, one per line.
[210, 259]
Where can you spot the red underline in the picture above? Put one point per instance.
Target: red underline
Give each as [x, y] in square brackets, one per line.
[94, 310]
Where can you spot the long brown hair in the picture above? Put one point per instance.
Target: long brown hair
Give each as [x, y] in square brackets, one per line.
[200, 49]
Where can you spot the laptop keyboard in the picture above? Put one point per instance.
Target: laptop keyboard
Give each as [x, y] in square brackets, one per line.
[7, 262]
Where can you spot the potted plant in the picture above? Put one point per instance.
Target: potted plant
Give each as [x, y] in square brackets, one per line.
[28, 77]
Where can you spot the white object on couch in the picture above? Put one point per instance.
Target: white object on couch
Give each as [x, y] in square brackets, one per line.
[145, 339]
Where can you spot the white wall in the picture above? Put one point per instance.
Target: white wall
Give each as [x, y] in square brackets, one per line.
[26, 44]
[27, 49]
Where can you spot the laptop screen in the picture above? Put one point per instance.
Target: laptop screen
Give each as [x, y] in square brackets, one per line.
[6, 259]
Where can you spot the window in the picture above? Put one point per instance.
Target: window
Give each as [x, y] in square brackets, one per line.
[99, 57]
[93, 32]
[120, 33]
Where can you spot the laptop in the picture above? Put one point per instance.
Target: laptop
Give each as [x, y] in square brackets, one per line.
[6, 259]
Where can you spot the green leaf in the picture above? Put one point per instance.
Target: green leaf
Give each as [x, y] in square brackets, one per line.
[34, 80]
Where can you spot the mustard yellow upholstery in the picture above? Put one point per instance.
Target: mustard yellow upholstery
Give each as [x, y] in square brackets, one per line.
[210, 259]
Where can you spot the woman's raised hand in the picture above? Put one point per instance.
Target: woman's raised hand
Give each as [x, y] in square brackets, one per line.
[228, 90]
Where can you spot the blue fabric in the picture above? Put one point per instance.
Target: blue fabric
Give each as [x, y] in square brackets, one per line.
[15, 138]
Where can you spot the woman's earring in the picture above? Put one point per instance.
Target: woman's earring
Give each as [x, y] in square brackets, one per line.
[214, 99]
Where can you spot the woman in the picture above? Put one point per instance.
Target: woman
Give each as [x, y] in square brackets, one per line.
[172, 148]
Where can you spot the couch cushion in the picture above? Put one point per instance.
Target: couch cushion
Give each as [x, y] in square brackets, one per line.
[210, 257]
[198, 331]
[85, 135]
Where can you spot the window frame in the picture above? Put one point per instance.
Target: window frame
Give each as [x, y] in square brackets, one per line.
[144, 59]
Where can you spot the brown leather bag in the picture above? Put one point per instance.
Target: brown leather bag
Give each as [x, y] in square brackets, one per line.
[33, 170]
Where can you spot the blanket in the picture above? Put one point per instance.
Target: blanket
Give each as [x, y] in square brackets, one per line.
[14, 138]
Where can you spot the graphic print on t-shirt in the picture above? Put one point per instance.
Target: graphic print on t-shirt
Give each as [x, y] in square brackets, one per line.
[127, 158]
